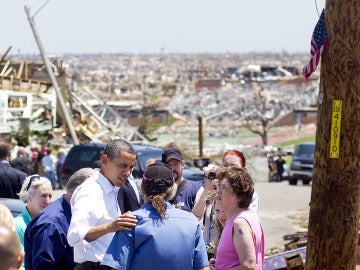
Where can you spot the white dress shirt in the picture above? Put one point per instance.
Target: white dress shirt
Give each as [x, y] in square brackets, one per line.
[93, 203]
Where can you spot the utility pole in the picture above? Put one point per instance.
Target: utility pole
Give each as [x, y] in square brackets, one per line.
[334, 207]
[52, 77]
[201, 136]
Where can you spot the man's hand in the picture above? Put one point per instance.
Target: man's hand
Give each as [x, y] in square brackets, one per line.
[123, 222]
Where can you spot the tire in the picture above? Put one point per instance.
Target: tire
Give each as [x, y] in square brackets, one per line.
[306, 182]
[293, 181]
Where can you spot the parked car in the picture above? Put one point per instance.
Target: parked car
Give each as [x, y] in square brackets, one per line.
[88, 155]
[301, 167]
[16, 206]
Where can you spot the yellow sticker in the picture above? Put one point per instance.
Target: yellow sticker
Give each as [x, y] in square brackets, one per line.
[335, 129]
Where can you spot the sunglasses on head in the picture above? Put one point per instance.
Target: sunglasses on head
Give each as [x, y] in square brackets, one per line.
[32, 178]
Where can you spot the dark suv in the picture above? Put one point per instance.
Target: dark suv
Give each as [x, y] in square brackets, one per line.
[302, 163]
[88, 155]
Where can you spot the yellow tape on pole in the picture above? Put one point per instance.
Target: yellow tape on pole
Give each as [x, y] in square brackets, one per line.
[335, 129]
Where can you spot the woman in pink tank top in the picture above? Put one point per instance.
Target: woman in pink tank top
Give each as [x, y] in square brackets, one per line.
[241, 244]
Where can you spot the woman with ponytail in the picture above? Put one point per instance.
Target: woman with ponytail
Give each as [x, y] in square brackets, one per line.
[165, 237]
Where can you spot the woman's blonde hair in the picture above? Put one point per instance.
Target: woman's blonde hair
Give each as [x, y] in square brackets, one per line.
[6, 218]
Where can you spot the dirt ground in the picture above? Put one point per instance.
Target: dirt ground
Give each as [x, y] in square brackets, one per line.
[284, 209]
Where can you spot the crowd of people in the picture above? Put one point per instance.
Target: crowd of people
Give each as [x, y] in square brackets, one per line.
[109, 220]
[22, 161]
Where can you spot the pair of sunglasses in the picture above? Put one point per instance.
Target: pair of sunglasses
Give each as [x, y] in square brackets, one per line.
[32, 179]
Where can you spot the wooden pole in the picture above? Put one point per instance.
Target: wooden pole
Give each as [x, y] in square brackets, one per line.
[334, 207]
[52, 78]
[201, 137]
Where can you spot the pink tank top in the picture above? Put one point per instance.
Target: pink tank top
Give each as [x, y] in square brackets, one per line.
[226, 256]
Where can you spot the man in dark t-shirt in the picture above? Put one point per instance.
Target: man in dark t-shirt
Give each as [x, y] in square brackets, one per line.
[188, 191]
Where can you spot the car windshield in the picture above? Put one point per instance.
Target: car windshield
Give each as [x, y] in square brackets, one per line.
[305, 150]
[145, 156]
[85, 157]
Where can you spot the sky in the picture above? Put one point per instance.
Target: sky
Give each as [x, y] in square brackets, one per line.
[154, 26]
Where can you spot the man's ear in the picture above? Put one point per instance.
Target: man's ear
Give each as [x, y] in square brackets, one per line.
[103, 159]
[183, 164]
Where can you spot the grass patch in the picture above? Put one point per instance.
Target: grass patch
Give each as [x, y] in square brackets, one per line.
[310, 138]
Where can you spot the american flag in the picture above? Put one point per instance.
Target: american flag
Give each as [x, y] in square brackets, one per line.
[319, 40]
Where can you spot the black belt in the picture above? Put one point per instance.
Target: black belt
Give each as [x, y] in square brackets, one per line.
[91, 265]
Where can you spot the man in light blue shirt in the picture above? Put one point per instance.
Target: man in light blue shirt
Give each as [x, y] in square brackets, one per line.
[49, 162]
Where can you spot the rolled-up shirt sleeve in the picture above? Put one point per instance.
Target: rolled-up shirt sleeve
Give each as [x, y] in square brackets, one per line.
[200, 254]
[84, 208]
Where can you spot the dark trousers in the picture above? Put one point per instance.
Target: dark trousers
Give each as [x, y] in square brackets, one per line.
[91, 266]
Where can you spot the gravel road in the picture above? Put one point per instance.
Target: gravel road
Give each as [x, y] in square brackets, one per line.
[284, 209]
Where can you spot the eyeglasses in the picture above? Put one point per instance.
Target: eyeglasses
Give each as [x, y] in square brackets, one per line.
[32, 178]
[222, 187]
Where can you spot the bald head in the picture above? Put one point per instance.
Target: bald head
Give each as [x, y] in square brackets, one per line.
[78, 178]
[10, 254]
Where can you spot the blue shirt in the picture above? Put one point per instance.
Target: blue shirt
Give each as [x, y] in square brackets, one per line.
[46, 246]
[185, 199]
[59, 165]
[175, 243]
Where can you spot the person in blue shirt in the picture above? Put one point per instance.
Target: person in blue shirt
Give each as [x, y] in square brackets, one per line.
[46, 245]
[165, 237]
[188, 192]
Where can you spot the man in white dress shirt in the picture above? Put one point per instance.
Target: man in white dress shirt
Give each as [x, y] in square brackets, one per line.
[95, 212]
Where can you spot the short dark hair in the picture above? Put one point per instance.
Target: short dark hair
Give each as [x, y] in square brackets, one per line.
[113, 148]
[5, 148]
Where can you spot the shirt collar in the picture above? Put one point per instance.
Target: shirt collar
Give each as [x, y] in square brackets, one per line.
[149, 206]
[27, 217]
[106, 184]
